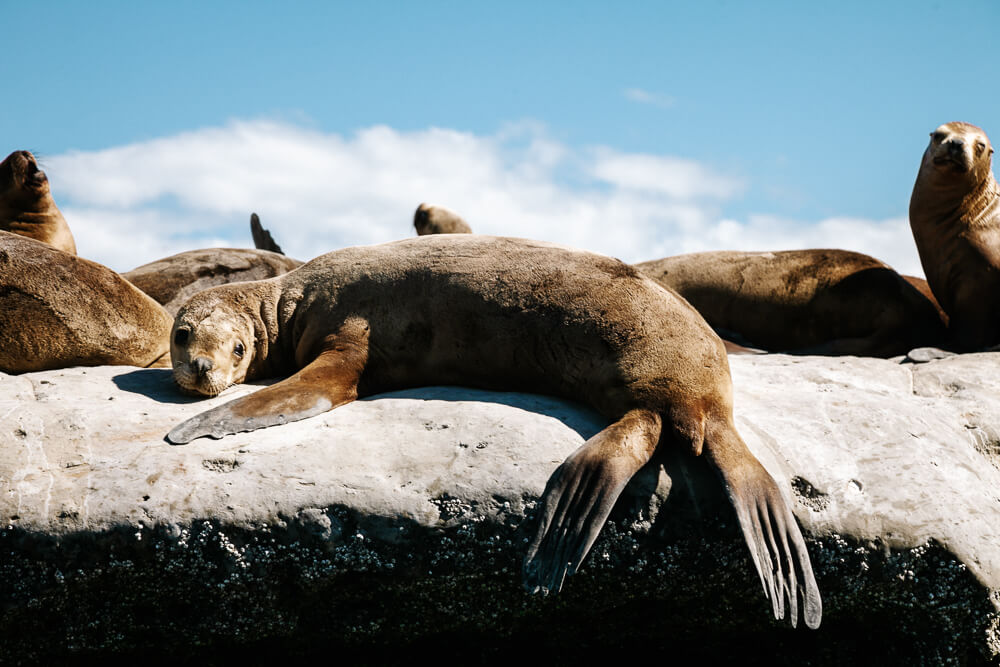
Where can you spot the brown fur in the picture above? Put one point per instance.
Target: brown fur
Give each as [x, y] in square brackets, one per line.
[438, 220]
[173, 280]
[924, 288]
[26, 204]
[955, 219]
[804, 301]
[58, 310]
[506, 314]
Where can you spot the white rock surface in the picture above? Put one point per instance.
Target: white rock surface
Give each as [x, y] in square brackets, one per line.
[886, 463]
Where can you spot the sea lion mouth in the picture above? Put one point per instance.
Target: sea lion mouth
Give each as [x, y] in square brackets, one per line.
[950, 161]
[193, 383]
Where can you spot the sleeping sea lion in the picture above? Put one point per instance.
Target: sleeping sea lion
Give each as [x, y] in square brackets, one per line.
[173, 280]
[26, 204]
[832, 302]
[955, 219]
[438, 220]
[59, 310]
[508, 314]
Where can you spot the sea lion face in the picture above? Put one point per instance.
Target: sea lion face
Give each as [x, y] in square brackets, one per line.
[21, 181]
[211, 345]
[958, 152]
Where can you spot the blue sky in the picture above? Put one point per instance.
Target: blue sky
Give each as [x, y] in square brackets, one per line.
[781, 124]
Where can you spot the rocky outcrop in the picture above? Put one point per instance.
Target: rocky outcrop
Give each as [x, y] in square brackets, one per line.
[397, 524]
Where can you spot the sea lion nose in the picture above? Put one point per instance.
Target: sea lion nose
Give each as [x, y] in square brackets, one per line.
[202, 366]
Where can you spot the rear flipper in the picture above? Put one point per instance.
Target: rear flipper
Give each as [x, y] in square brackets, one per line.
[262, 238]
[330, 380]
[775, 542]
[580, 495]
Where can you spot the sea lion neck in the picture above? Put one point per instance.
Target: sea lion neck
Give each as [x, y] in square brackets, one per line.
[948, 196]
[262, 307]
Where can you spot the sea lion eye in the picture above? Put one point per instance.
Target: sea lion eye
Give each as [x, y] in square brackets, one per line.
[938, 136]
[181, 336]
[980, 147]
[238, 350]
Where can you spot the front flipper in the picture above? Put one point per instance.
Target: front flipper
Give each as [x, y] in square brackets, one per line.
[330, 380]
[580, 495]
[776, 546]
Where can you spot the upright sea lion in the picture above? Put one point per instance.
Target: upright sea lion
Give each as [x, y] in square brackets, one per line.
[59, 310]
[507, 314]
[173, 280]
[803, 301]
[26, 204]
[438, 220]
[955, 219]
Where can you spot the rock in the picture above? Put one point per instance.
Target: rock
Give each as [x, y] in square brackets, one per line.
[922, 355]
[400, 521]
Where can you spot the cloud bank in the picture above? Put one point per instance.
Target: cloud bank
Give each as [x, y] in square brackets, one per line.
[318, 191]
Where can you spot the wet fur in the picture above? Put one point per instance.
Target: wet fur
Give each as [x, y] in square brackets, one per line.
[506, 314]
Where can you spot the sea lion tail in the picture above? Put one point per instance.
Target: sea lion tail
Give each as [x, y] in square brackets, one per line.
[776, 545]
[262, 239]
[580, 495]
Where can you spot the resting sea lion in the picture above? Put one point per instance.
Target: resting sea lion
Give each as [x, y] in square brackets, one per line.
[26, 204]
[924, 288]
[507, 314]
[803, 301]
[58, 310]
[438, 220]
[173, 280]
[955, 219]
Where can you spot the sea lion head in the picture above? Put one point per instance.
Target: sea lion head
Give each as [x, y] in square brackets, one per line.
[430, 219]
[958, 153]
[212, 343]
[21, 181]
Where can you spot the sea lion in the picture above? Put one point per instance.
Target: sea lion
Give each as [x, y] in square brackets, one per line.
[59, 310]
[26, 204]
[955, 220]
[498, 313]
[832, 302]
[924, 288]
[438, 220]
[173, 280]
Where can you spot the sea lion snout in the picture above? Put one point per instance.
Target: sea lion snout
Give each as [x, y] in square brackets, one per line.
[202, 366]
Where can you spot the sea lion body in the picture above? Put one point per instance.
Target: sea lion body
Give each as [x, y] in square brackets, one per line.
[804, 301]
[508, 314]
[173, 280]
[955, 220]
[438, 220]
[58, 310]
[26, 204]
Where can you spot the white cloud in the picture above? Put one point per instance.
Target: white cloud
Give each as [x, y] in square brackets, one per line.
[318, 191]
[645, 97]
